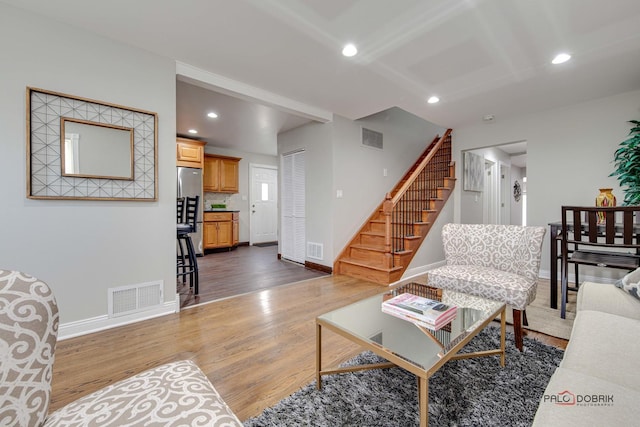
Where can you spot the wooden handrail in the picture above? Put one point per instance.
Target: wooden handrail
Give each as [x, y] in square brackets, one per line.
[419, 169]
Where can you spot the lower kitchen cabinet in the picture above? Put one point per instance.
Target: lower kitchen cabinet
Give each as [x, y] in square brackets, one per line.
[220, 230]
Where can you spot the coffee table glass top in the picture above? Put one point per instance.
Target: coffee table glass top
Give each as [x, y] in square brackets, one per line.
[419, 346]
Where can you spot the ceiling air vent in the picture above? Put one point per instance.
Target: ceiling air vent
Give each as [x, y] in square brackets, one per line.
[371, 138]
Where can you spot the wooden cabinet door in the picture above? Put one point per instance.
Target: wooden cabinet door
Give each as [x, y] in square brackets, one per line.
[211, 174]
[236, 233]
[210, 235]
[229, 175]
[190, 153]
[225, 233]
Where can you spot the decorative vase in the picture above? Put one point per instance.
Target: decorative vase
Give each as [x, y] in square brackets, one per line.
[604, 199]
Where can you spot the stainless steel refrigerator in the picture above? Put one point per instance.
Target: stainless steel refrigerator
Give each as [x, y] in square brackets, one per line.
[190, 185]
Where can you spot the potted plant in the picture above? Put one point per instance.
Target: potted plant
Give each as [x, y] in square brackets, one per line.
[627, 165]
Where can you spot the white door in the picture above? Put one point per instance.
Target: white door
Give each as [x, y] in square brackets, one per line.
[263, 212]
[293, 233]
[505, 195]
[490, 199]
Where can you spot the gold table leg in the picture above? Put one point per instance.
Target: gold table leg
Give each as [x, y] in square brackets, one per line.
[318, 356]
[423, 393]
[503, 333]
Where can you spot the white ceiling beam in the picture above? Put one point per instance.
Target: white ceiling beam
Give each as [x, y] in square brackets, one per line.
[208, 80]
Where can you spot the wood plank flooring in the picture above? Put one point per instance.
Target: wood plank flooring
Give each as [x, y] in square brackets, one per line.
[245, 269]
[256, 348]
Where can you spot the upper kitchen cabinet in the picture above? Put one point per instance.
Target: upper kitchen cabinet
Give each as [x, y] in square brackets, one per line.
[190, 153]
[220, 174]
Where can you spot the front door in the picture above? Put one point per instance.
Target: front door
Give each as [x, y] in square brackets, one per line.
[263, 212]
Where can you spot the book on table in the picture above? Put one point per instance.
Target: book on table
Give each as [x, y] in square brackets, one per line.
[422, 311]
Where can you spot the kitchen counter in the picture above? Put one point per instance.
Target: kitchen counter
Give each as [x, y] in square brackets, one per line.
[222, 210]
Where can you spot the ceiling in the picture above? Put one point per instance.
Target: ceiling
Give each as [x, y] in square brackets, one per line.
[480, 57]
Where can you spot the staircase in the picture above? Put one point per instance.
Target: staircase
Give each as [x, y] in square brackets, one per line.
[385, 245]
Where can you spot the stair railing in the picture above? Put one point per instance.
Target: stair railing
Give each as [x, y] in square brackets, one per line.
[406, 207]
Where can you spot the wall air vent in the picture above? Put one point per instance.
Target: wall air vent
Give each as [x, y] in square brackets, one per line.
[314, 250]
[134, 298]
[371, 138]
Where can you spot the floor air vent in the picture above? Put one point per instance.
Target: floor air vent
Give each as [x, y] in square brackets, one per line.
[371, 138]
[133, 298]
[314, 250]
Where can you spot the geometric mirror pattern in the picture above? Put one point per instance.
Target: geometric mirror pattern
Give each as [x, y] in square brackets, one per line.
[45, 110]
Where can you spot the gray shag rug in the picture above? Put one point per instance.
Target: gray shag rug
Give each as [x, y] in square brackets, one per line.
[468, 392]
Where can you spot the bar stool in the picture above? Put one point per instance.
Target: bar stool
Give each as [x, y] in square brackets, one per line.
[187, 266]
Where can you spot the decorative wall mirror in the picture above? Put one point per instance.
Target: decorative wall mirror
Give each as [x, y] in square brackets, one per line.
[84, 149]
[96, 150]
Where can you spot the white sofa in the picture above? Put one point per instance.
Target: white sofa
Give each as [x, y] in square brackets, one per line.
[598, 380]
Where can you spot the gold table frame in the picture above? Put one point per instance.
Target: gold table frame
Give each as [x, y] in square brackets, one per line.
[450, 352]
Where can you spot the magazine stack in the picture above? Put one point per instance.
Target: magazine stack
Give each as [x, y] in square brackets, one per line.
[424, 312]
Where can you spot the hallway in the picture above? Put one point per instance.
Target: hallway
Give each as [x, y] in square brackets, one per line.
[246, 269]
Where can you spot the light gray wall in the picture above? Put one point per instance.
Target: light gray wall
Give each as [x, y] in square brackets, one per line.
[239, 201]
[569, 153]
[81, 248]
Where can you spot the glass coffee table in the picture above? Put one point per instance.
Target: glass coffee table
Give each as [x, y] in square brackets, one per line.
[418, 350]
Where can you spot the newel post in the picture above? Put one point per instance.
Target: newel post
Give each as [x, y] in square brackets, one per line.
[387, 210]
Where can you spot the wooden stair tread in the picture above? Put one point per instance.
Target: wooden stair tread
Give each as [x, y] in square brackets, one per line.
[361, 263]
[368, 247]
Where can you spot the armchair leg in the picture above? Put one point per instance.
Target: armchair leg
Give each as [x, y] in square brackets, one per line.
[517, 328]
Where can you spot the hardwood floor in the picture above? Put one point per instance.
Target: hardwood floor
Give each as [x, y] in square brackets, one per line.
[245, 269]
[256, 348]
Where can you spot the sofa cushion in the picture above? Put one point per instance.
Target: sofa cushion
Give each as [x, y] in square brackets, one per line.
[487, 282]
[614, 404]
[608, 299]
[175, 394]
[603, 346]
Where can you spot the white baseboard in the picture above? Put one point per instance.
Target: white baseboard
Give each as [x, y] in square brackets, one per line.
[101, 323]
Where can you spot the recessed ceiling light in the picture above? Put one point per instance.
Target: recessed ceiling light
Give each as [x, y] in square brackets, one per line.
[349, 50]
[560, 58]
[433, 100]
[212, 115]
[193, 131]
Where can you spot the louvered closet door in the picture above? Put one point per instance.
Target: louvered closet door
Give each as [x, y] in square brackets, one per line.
[293, 212]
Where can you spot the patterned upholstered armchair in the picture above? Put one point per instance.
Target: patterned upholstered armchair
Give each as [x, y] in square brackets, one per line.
[172, 394]
[499, 262]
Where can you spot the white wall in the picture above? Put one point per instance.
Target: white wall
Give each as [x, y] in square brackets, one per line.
[82, 248]
[240, 200]
[569, 154]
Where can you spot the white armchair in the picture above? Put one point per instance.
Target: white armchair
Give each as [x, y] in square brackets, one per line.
[499, 262]
[176, 393]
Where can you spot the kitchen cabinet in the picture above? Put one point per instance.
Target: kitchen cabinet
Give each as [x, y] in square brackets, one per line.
[220, 174]
[220, 229]
[190, 153]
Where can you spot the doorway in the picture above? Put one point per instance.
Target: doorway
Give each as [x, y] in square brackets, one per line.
[263, 210]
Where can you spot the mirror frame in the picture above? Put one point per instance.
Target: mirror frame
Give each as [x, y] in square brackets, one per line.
[63, 137]
[45, 111]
